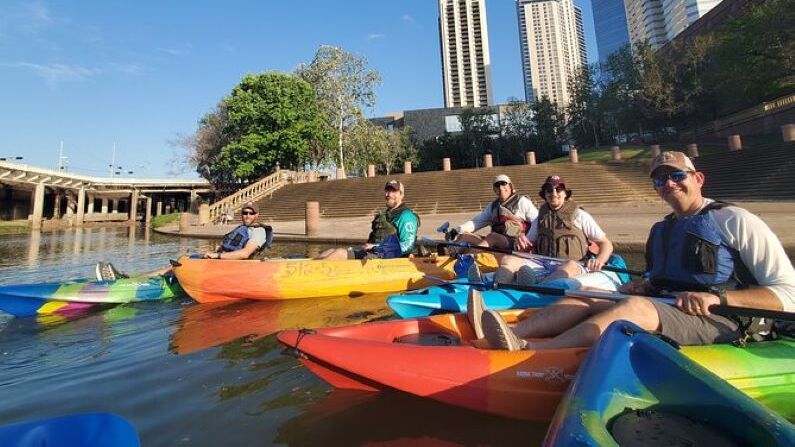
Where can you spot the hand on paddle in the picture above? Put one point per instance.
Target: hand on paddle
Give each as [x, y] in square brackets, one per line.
[522, 243]
[696, 303]
[594, 265]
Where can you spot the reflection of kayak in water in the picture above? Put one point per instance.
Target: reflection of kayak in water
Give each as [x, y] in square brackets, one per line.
[210, 280]
[73, 296]
[636, 389]
[89, 429]
[360, 418]
[206, 325]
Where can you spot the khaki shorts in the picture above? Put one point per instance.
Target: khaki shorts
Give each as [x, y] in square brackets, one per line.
[687, 329]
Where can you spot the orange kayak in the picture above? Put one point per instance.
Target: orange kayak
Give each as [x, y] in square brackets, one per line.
[209, 280]
[433, 357]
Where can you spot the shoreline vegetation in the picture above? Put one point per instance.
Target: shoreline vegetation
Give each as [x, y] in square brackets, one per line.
[165, 219]
[14, 227]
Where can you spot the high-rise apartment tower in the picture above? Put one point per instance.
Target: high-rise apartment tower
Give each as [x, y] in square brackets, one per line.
[466, 68]
[552, 43]
[610, 23]
[659, 21]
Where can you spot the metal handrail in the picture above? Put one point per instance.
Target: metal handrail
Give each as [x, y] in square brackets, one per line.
[253, 192]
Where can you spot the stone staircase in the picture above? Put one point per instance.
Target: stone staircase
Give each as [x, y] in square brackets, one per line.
[463, 190]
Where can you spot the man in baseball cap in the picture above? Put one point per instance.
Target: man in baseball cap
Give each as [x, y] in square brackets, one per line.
[393, 230]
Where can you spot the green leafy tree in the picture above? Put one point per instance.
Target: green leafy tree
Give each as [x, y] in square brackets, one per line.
[476, 129]
[343, 85]
[549, 126]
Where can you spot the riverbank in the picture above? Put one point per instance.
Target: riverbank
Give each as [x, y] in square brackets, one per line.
[627, 226]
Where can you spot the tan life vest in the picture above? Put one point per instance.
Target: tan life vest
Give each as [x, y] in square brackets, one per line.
[557, 235]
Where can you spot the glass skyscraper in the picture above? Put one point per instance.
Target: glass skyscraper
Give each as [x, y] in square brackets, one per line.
[610, 21]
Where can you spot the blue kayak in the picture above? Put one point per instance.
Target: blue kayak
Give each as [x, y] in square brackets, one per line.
[636, 389]
[84, 430]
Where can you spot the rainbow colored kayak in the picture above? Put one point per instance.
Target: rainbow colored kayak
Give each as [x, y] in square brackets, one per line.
[85, 430]
[64, 297]
[210, 280]
[636, 389]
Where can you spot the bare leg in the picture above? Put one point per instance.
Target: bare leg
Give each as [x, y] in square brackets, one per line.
[334, 254]
[497, 240]
[638, 310]
[568, 269]
[559, 317]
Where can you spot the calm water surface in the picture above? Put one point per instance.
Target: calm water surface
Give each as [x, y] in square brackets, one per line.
[202, 374]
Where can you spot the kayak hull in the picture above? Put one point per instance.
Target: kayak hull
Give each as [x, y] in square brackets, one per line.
[636, 376]
[71, 296]
[522, 385]
[86, 430]
[208, 280]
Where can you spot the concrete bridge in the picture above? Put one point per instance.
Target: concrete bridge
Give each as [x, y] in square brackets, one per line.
[42, 195]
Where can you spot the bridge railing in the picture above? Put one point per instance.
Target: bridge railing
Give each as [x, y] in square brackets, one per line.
[253, 192]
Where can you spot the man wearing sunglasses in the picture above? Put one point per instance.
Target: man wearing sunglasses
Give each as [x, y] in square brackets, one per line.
[703, 253]
[509, 216]
[561, 230]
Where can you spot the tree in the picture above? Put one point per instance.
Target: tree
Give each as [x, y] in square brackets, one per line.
[549, 127]
[205, 146]
[399, 148]
[585, 115]
[476, 128]
[343, 86]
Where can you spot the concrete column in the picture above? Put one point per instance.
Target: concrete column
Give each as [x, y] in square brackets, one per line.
[148, 212]
[445, 164]
[38, 208]
[487, 161]
[312, 221]
[134, 206]
[407, 167]
[655, 150]
[692, 150]
[91, 199]
[371, 170]
[735, 142]
[340, 174]
[184, 222]
[193, 199]
[312, 177]
[81, 206]
[615, 153]
[204, 214]
[114, 205]
[159, 208]
[56, 207]
[70, 205]
[788, 132]
[530, 157]
[573, 155]
[104, 208]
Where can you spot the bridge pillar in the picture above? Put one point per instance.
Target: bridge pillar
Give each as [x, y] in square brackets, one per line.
[56, 207]
[134, 206]
[615, 153]
[312, 218]
[159, 208]
[91, 199]
[445, 164]
[38, 207]
[487, 161]
[735, 142]
[530, 157]
[81, 206]
[70, 205]
[655, 150]
[148, 210]
[104, 209]
[193, 201]
[114, 204]
[573, 155]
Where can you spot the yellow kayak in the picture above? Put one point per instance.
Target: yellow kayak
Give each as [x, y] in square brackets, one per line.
[210, 280]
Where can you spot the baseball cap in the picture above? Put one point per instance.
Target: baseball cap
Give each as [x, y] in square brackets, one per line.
[673, 159]
[252, 206]
[501, 178]
[555, 180]
[395, 185]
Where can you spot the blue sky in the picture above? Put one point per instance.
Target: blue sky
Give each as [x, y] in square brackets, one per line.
[140, 73]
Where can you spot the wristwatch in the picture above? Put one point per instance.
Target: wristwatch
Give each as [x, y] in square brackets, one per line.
[721, 294]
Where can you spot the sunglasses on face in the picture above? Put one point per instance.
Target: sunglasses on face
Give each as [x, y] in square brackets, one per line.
[248, 213]
[661, 179]
[498, 184]
[549, 188]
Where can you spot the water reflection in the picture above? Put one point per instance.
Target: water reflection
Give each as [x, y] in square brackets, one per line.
[33, 248]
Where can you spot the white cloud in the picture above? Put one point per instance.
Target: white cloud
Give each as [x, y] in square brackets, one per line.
[408, 18]
[54, 74]
[28, 19]
[373, 36]
[175, 51]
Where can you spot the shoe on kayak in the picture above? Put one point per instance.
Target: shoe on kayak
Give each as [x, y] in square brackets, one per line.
[475, 311]
[473, 274]
[526, 276]
[107, 272]
[497, 332]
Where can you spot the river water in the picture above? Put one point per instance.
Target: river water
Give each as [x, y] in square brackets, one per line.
[202, 374]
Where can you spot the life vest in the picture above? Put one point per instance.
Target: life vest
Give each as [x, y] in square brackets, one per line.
[557, 236]
[501, 213]
[238, 238]
[688, 253]
[382, 225]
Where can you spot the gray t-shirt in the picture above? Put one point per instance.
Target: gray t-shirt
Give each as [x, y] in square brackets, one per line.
[258, 235]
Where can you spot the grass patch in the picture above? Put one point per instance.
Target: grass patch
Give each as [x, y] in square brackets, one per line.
[14, 227]
[165, 219]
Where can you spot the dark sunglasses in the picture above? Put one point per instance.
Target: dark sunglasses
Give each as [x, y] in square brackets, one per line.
[500, 184]
[549, 188]
[248, 213]
[661, 179]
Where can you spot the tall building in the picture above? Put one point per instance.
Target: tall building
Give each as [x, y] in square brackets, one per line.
[466, 68]
[659, 21]
[552, 42]
[610, 22]
[679, 14]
